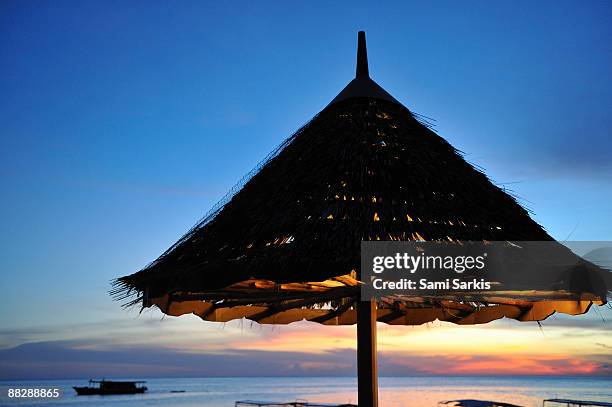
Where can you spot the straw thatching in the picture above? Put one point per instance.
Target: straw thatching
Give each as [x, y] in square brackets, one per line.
[285, 244]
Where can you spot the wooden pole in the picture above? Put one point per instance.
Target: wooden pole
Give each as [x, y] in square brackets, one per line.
[367, 367]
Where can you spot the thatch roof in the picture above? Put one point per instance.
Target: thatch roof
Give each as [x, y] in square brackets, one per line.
[285, 245]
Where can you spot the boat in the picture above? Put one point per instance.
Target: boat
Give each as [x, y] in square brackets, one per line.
[108, 387]
[578, 403]
[475, 403]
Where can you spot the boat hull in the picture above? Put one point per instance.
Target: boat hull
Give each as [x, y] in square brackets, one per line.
[92, 391]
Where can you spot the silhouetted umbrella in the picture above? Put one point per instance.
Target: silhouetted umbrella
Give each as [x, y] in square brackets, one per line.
[285, 243]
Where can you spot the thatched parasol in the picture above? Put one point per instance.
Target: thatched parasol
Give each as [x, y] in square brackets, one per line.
[284, 245]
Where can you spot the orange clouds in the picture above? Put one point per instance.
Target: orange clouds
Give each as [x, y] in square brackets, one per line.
[302, 337]
[500, 348]
[497, 365]
[521, 365]
[565, 346]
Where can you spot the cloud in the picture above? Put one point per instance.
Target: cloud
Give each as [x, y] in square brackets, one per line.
[185, 333]
[73, 359]
[510, 364]
[152, 346]
[55, 360]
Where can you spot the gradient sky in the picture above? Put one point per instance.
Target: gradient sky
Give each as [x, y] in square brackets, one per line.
[122, 123]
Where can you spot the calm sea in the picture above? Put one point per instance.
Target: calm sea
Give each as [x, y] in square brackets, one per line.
[394, 391]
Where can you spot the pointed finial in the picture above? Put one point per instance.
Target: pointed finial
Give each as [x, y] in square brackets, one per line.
[362, 56]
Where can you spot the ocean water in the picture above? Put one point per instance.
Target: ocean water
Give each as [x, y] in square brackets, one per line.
[394, 391]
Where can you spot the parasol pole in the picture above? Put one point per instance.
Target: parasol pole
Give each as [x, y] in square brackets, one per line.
[367, 366]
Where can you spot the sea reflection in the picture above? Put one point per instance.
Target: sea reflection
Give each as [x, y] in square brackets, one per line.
[394, 391]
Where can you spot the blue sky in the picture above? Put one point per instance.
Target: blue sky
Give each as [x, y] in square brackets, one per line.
[122, 123]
